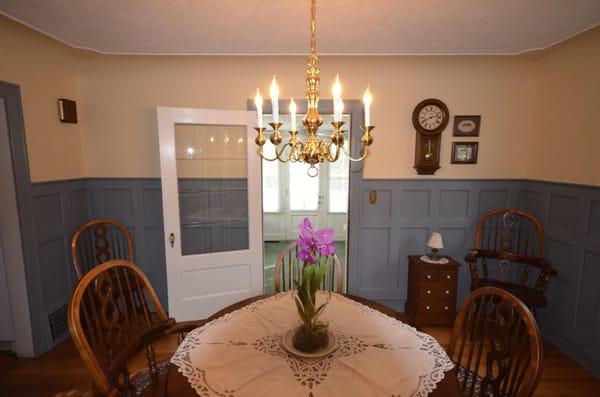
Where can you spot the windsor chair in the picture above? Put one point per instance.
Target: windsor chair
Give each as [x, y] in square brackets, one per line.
[507, 239]
[496, 346]
[99, 241]
[289, 268]
[114, 315]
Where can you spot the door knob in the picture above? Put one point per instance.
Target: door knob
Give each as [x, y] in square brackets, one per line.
[172, 239]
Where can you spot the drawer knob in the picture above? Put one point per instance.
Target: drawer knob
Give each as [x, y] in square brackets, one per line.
[429, 276]
[427, 307]
[445, 307]
[448, 277]
[447, 292]
[428, 292]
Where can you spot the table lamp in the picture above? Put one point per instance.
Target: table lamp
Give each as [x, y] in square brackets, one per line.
[435, 243]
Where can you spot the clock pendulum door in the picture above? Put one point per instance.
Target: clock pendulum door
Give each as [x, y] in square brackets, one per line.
[427, 154]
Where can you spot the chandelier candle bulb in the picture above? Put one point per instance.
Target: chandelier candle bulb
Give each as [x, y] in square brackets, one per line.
[367, 100]
[258, 101]
[275, 100]
[336, 92]
[293, 109]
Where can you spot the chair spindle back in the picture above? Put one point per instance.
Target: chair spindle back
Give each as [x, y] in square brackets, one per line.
[99, 241]
[113, 314]
[496, 345]
[289, 268]
[510, 230]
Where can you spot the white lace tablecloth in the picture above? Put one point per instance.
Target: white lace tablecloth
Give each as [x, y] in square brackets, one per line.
[240, 354]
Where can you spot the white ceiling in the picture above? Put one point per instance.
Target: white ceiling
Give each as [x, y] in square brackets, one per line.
[282, 26]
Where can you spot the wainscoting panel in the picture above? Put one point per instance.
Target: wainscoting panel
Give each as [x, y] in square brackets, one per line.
[58, 208]
[375, 274]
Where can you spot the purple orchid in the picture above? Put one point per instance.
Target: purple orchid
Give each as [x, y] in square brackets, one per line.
[313, 243]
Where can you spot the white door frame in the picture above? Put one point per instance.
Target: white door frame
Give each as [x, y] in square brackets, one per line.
[185, 304]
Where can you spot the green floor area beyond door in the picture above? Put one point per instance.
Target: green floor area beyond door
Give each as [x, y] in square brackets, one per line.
[273, 248]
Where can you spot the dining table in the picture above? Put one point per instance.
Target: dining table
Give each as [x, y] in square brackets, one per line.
[240, 352]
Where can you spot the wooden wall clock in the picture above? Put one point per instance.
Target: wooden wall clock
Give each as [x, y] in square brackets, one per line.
[429, 118]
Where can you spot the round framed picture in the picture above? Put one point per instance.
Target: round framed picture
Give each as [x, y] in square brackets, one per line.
[466, 125]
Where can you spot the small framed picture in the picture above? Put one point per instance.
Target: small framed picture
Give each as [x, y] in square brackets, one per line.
[464, 152]
[466, 125]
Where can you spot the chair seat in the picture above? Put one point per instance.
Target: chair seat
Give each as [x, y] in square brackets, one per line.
[143, 385]
[527, 294]
[460, 375]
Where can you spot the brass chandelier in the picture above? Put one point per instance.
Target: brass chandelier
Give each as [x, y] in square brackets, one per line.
[312, 150]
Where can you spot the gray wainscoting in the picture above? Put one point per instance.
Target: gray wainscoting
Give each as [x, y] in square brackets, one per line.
[61, 206]
[58, 209]
[397, 225]
[405, 214]
[407, 211]
[571, 218]
[137, 203]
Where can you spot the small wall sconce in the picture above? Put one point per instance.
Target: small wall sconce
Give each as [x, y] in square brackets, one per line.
[67, 111]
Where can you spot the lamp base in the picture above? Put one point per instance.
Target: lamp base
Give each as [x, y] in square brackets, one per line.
[434, 255]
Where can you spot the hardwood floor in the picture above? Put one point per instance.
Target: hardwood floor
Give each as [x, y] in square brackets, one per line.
[61, 372]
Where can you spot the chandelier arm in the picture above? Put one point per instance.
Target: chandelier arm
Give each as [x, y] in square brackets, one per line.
[279, 154]
[365, 153]
[296, 157]
[338, 150]
[260, 153]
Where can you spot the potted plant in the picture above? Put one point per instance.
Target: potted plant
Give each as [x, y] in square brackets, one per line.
[314, 247]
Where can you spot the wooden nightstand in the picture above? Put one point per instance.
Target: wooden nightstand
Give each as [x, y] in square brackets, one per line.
[431, 291]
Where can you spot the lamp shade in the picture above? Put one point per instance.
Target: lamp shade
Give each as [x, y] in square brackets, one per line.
[435, 241]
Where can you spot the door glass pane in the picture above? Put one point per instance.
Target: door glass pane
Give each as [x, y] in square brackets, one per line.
[304, 189]
[212, 183]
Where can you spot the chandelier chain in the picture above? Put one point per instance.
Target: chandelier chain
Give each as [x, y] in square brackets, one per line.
[313, 27]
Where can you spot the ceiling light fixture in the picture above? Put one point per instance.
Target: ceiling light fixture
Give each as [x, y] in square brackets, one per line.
[313, 150]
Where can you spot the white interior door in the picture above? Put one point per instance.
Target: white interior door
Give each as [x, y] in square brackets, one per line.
[211, 189]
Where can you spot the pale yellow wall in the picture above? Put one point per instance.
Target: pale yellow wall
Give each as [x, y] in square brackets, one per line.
[537, 110]
[45, 70]
[118, 95]
[565, 138]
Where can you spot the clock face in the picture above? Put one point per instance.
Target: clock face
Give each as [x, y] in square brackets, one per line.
[431, 117]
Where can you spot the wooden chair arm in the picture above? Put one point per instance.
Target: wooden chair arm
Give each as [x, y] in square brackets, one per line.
[546, 274]
[540, 263]
[156, 332]
[185, 326]
[472, 256]
[546, 267]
